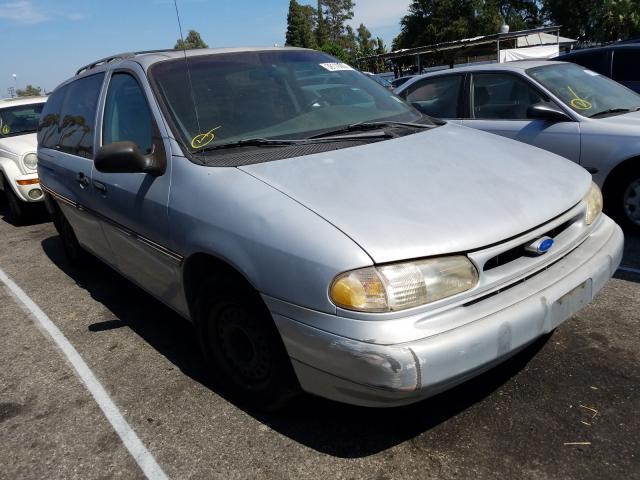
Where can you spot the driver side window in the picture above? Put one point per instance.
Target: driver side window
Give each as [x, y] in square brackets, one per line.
[127, 116]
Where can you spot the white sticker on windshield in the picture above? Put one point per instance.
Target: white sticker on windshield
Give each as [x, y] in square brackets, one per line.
[335, 67]
[593, 74]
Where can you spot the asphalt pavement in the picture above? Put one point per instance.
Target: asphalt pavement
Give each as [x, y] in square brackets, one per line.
[568, 407]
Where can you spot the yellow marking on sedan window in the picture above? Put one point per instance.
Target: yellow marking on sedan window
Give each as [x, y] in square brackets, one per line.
[579, 103]
[6, 130]
[204, 139]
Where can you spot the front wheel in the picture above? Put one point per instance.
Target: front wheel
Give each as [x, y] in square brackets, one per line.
[622, 200]
[241, 342]
[17, 208]
[72, 248]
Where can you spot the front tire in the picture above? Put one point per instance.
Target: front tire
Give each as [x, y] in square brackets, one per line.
[72, 248]
[17, 208]
[622, 200]
[241, 342]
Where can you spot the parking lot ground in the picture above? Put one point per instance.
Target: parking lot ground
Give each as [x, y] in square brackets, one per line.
[566, 407]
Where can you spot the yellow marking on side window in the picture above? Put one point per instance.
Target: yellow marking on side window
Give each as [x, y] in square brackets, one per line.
[579, 103]
[204, 139]
[6, 130]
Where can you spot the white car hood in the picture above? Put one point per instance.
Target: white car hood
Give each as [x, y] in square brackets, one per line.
[447, 190]
[19, 145]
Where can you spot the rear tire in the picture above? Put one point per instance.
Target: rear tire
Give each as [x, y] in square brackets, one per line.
[241, 342]
[72, 248]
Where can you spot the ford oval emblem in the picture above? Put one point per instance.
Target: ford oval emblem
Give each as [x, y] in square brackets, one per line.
[539, 246]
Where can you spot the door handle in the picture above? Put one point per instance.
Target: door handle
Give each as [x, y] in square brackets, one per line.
[101, 187]
[82, 179]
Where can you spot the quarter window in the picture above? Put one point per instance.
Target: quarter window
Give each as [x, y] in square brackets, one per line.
[436, 97]
[126, 114]
[502, 96]
[76, 127]
[626, 67]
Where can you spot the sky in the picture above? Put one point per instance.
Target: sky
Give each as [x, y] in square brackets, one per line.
[46, 41]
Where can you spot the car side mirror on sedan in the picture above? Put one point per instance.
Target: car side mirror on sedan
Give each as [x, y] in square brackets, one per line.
[126, 157]
[547, 111]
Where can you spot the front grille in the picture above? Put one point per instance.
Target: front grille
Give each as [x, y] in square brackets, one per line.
[515, 253]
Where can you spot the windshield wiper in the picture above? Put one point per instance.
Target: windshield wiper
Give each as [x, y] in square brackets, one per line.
[363, 126]
[251, 142]
[612, 110]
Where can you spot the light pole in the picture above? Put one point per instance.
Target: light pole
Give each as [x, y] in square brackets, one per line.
[15, 81]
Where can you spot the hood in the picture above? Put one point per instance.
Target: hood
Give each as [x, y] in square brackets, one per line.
[20, 144]
[447, 190]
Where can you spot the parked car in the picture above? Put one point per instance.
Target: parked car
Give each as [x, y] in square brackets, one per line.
[561, 107]
[401, 81]
[385, 83]
[19, 182]
[620, 61]
[356, 249]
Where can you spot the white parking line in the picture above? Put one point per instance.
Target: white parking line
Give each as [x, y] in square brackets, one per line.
[129, 438]
[630, 270]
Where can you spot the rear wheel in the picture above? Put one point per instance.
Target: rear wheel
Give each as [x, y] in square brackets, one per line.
[72, 248]
[241, 342]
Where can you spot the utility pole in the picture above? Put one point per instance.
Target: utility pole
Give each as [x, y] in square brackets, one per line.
[15, 81]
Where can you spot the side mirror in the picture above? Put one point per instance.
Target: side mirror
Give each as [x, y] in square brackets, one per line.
[126, 157]
[547, 111]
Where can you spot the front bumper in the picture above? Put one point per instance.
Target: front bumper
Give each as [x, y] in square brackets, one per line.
[486, 332]
[28, 192]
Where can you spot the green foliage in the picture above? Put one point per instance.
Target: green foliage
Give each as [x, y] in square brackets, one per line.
[193, 40]
[322, 35]
[300, 24]
[336, 13]
[29, 91]
[591, 21]
[337, 51]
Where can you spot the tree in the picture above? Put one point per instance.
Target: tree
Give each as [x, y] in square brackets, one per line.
[29, 91]
[322, 36]
[300, 26]
[193, 40]
[336, 13]
[591, 21]
[365, 44]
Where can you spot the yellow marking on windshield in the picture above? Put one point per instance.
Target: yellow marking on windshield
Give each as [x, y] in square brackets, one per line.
[579, 103]
[204, 139]
[6, 130]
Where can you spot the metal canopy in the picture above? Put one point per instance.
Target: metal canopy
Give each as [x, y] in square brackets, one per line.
[466, 42]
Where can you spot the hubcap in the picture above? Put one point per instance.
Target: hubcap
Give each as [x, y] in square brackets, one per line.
[243, 346]
[632, 201]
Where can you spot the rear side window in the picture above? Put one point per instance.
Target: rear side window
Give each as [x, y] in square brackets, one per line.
[126, 114]
[436, 97]
[78, 116]
[596, 61]
[48, 130]
[626, 65]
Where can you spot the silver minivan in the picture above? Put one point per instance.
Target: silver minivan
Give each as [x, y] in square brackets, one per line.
[321, 234]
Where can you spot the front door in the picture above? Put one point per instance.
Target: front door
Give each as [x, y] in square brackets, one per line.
[499, 103]
[133, 206]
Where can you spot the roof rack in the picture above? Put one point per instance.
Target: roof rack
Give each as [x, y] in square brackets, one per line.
[118, 56]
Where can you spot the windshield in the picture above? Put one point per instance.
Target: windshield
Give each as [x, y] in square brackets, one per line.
[20, 119]
[269, 95]
[586, 92]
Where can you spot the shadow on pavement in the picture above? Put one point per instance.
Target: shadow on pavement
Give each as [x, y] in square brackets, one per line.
[36, 214]
[329, 427]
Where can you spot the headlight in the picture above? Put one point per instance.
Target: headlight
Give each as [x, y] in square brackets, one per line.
[403, 285]
[593, 199]
[30, 161]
